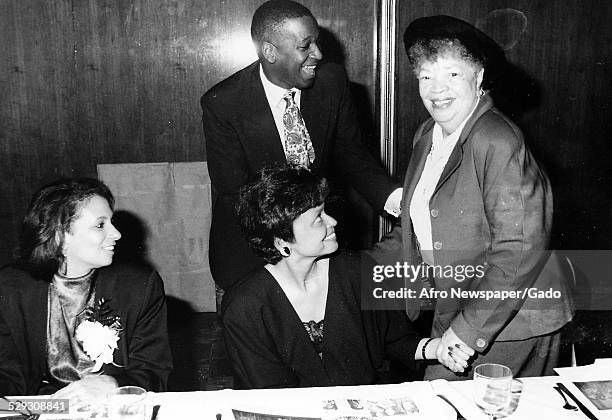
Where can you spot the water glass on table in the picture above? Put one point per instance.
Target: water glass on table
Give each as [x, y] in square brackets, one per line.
[127, 403]
[492, 388]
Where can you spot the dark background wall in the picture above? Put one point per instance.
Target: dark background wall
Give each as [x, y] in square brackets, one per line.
[558, 94]
[114, 81]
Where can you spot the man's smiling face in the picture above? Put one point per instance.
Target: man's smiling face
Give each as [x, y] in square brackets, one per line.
[296, 54]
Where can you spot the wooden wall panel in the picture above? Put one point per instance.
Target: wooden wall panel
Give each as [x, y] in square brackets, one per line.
[35, 89]
[559, 96]
[118, 81]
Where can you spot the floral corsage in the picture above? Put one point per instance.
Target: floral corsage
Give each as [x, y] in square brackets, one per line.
[98, 333]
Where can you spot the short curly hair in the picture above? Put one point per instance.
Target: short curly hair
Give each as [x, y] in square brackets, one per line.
[268, 207]
[431, 49]
[50, 215]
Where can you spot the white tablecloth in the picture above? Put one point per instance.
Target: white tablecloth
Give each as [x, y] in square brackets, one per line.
[538, 401]
[300, 402]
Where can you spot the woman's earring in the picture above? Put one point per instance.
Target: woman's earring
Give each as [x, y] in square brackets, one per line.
[286, 251]
[481, 93]
[63, 268]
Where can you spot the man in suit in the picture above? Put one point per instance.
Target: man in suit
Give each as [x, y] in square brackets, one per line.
[289, 106]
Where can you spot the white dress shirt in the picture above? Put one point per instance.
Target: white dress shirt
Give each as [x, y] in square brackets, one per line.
[441, 149]
[274, 95]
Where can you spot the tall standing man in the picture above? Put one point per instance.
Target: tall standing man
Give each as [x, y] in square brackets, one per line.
[288, 106]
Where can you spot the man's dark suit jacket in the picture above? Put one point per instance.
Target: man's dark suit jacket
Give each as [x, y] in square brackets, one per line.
[137, 297]
[241, 138]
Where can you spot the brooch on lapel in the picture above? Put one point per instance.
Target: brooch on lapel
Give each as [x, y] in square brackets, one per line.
[98, 333]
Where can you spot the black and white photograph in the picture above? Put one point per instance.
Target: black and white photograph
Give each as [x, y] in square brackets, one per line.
[233, 207]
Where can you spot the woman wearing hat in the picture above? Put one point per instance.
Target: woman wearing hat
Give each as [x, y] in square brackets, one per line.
[477, 209]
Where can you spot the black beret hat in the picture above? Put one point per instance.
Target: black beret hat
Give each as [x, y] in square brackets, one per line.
[479, 44]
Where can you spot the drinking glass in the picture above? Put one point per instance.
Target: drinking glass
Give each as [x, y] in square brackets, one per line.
[127, 403]
[516, 389]
[492, 388]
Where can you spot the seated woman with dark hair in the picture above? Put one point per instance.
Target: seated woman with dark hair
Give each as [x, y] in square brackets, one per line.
[70, 323]
[298, 322]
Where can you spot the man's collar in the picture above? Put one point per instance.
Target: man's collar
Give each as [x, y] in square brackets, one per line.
[274, 93]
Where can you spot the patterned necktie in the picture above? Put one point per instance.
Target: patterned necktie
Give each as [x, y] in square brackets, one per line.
[298, 147]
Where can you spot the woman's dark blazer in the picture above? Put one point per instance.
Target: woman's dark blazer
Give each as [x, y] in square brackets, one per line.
[136, 295]
[269, 347]
[491, 207]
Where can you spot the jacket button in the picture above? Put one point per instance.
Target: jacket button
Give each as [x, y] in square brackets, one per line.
[437, 245]
[481, 343]
[434, 212]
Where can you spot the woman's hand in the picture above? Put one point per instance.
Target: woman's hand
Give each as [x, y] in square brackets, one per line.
[88, 391]
[452, 352]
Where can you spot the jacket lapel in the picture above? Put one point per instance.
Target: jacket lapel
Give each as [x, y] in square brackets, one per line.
[256, 118]
[415, 168]
[293, 340]
[413, 173]
[457, 154]
[314, 107]
[451, 166]
[106, 287]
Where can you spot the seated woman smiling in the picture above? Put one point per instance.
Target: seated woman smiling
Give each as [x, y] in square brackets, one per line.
[70, 322]
[298, 321]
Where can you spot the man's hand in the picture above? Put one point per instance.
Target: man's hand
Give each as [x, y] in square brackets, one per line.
[452, 352]
[393, 205]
